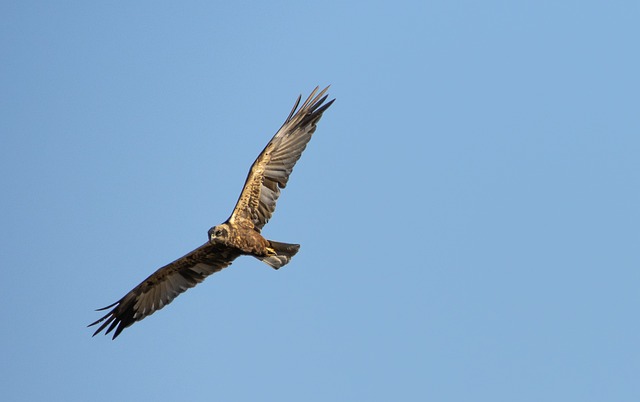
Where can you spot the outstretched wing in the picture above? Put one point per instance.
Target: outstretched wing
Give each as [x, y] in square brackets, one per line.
[270, 172]
[164, 285]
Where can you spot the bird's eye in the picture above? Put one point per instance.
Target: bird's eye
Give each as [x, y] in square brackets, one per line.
[218, 233]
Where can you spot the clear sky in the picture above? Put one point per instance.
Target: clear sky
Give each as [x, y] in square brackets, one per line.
[468, 209]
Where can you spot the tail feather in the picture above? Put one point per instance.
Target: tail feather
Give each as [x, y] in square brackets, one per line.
[284, 252]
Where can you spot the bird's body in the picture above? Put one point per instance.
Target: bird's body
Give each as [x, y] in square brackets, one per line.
[248, 241]
[244, 239]
[238, 235]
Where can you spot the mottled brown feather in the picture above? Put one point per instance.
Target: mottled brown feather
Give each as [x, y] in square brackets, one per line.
[270, 171]
[164, 285]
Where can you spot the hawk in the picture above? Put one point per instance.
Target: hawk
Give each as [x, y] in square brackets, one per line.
[238, 235]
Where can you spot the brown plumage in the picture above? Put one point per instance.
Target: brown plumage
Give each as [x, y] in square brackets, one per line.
[238, 235]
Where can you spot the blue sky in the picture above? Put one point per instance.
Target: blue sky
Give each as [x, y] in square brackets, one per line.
[467, 210]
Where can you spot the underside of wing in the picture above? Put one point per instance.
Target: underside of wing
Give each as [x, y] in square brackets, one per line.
[270, 172]
[164, 285]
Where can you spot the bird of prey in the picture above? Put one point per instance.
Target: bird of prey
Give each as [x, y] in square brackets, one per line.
[238, 235]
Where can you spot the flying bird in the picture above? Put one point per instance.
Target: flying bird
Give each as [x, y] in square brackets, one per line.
[238, 235]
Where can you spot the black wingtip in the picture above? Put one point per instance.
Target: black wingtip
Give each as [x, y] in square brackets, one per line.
[325, 106]
[313, 101]
[295, 106]
[109, 320]
[108, 307]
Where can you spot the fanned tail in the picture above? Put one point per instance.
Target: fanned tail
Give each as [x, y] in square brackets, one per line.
[284, 253]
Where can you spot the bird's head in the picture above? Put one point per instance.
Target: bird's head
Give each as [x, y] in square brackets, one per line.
[218, 233]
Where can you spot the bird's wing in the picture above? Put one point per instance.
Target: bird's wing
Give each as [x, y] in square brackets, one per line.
[270, 172]
[164, 285]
